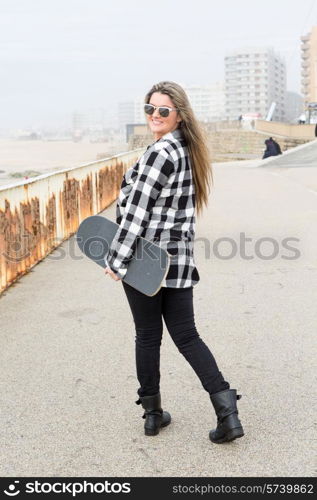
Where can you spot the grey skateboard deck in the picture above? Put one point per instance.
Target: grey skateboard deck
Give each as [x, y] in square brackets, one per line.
[148, 266]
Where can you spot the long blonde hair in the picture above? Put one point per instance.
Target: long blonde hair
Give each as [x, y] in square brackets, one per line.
[195, 139]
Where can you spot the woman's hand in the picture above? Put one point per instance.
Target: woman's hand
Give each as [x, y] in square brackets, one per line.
[112, 274]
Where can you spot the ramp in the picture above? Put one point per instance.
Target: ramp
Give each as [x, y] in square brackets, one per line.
[304, 155]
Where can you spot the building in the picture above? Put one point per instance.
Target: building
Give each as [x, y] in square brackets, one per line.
[294, 106]
[139, 115]
[130, 112]
[208, 102]
[90, 123]
[79, 122]
[254, 79]
[125, 114]
[309, 66]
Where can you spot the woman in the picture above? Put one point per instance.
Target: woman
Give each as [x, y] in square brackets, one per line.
[157, 200]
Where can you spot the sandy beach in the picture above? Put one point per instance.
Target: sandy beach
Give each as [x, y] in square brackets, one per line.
[17, 157]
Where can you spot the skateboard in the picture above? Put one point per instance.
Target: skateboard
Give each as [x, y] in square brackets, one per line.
[148, 266]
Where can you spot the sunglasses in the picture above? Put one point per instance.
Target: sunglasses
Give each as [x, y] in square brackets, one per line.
[163, 110]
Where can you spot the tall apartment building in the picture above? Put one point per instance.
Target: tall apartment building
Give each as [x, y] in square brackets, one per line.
[294, 106]
[208, 101]
[254, 79]
[309, 66]
[131, 112]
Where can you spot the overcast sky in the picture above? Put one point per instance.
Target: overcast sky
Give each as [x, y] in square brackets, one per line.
[57, 56]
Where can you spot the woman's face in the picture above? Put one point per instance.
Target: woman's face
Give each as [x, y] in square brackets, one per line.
[157, 123]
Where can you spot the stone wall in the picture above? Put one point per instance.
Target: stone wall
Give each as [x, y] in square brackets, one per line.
[230, 143]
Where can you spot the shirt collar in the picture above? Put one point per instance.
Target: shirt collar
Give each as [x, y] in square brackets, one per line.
[175, 134]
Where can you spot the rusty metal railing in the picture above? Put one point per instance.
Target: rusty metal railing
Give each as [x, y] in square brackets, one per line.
[36, 215]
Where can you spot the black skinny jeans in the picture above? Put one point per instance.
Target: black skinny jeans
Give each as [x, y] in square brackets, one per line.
[176, 307]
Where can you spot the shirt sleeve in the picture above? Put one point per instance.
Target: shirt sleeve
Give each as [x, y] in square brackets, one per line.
[155, 167]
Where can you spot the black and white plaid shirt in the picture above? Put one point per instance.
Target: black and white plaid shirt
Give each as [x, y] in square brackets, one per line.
[157, 201]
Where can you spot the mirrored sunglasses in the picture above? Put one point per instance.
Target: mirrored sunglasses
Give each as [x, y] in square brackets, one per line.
[163, 110]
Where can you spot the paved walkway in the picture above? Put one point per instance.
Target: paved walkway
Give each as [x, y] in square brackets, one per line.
[68, 381]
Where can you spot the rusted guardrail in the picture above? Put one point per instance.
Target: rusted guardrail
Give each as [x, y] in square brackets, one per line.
[38, 214]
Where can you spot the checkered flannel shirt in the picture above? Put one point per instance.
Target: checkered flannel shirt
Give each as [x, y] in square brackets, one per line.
[157, 201]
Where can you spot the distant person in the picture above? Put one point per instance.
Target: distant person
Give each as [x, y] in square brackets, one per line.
[302, 119]
[272, 148]
[277, 146]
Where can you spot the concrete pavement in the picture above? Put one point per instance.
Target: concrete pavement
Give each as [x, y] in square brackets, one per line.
[68, 381]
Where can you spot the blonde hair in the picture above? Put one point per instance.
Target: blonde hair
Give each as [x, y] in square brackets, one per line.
[195, 139]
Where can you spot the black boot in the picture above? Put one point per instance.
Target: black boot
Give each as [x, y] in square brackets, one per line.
[228, 424]
[155, 417]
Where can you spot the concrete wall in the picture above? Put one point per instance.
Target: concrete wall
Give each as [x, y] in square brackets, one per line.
[38, 214]
[286, 130]
[271, 128]
[244, 142]
[240, 139]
